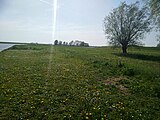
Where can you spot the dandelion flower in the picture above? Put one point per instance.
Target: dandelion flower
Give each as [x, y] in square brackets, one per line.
[87, 118]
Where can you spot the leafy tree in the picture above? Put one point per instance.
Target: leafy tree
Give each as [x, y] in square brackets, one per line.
[158, 45]
[71, 43]
[56, 42]
[154, 7]
[126, 24]
[82, 44]
[86, 44]
[64, 43]
[60, 42]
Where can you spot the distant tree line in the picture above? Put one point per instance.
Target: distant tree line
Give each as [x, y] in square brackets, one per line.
[72, 43]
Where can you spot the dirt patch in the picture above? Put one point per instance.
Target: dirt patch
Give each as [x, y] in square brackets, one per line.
[115, 81]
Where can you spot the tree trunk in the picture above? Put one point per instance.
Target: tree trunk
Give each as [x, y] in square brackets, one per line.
[124, 49]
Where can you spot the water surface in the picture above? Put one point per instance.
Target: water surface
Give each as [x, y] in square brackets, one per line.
[5, 46]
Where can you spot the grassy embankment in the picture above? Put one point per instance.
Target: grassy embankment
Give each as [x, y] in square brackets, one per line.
[82, 83]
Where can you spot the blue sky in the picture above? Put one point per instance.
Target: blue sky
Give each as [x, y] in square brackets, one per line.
[32, 21]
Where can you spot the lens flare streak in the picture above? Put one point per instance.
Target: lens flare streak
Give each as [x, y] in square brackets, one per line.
[54, 18]
[53, 34]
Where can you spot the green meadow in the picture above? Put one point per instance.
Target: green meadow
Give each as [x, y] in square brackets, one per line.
[40, 82]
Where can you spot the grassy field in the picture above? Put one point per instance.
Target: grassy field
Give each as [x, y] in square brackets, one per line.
[75, 83]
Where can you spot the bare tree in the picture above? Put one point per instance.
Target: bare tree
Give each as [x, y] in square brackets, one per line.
[126, 25]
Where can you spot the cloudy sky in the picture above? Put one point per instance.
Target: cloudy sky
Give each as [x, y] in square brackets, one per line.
[32, 21]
